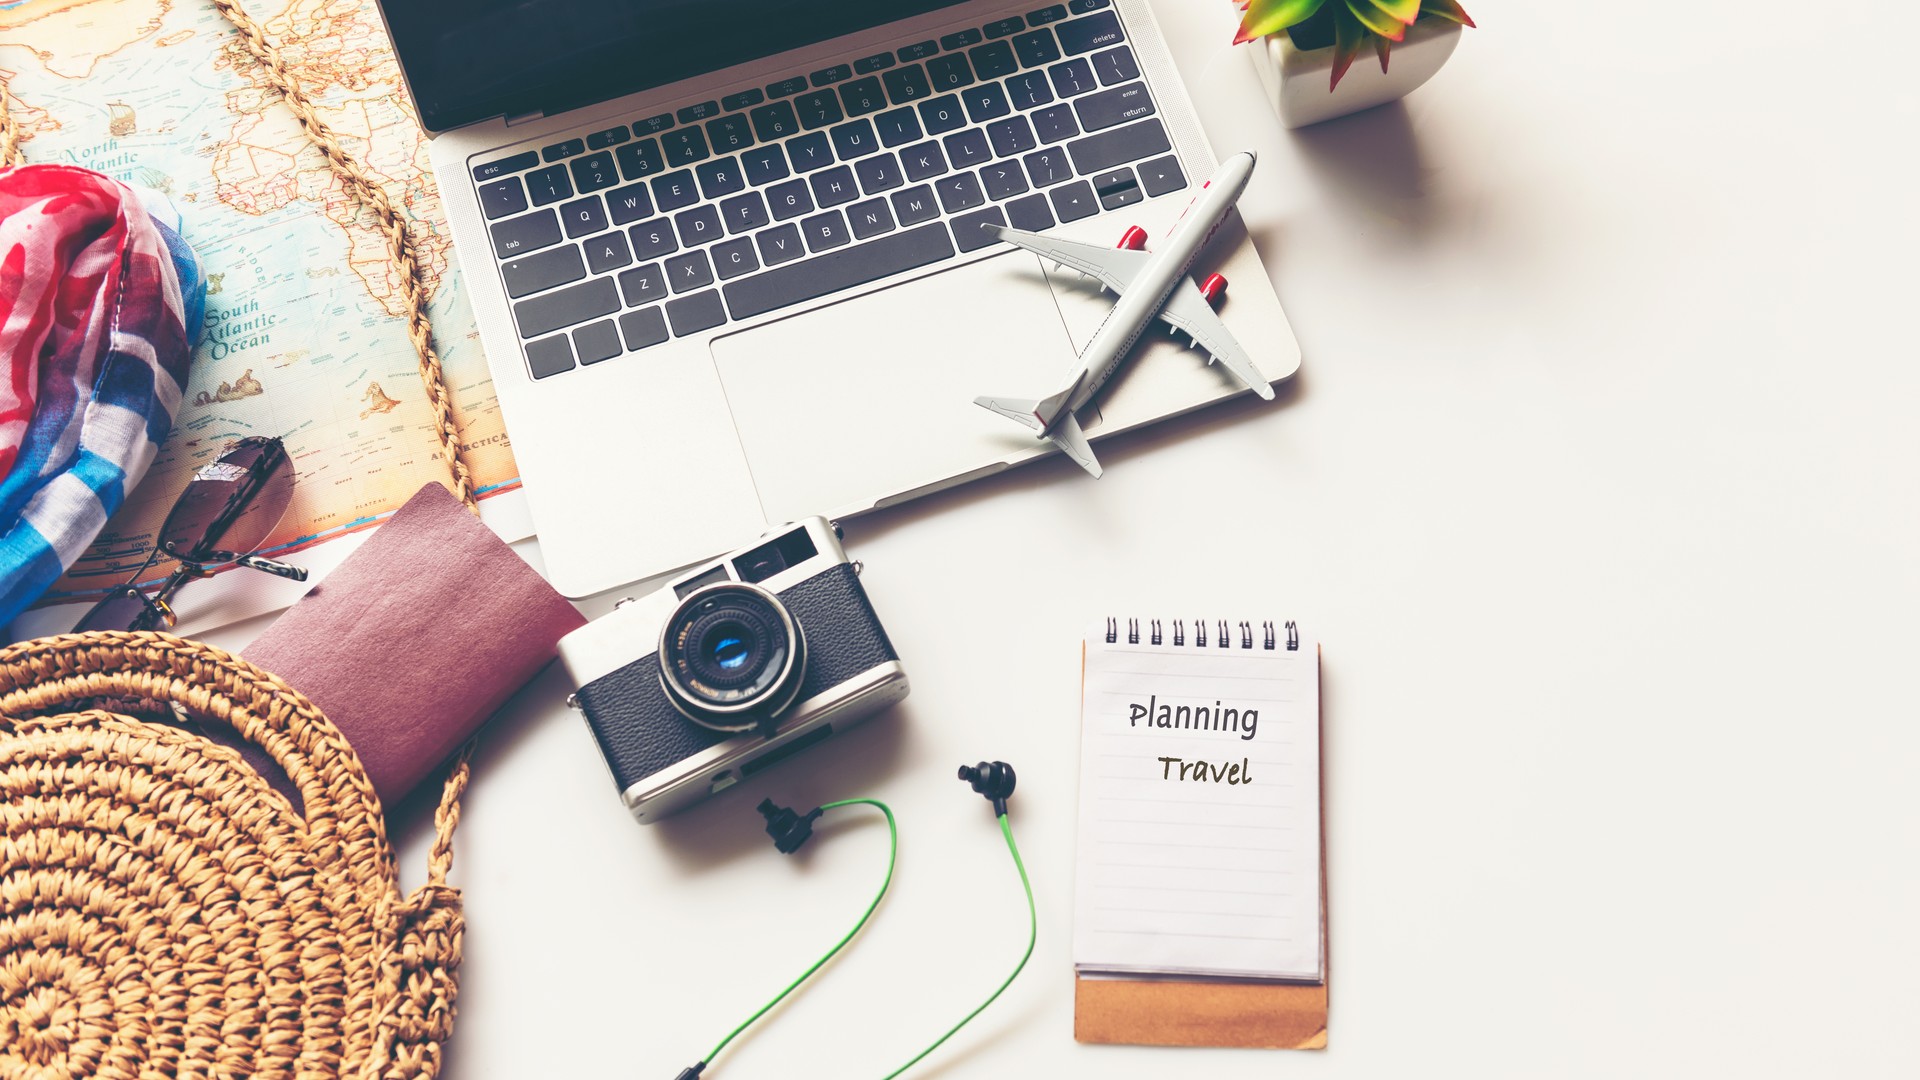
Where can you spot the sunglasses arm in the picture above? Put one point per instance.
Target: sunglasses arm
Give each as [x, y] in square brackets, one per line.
[277, 569]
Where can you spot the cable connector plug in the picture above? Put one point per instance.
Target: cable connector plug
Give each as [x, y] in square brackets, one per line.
[789, 828]
[692, 1072]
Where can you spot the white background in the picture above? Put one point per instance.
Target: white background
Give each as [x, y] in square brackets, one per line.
[1598, 484]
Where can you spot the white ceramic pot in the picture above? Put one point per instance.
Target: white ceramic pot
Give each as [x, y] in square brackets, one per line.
[1296, 79]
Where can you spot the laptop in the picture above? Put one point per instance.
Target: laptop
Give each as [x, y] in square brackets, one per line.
[727, 257]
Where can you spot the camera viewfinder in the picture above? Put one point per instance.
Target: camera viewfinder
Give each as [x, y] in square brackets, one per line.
[788, 549]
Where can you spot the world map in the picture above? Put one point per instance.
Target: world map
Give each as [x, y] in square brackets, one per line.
[303, 335]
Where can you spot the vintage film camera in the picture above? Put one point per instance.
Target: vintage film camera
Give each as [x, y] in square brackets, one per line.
[732, 668]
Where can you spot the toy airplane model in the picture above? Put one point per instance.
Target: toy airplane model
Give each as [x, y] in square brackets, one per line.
[1149, 284]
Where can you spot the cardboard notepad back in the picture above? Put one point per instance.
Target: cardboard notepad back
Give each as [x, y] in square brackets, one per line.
[417, 638]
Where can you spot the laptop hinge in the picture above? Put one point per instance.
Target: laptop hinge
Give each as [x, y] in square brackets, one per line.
[524, 117]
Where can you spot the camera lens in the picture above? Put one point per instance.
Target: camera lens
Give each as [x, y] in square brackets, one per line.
[731, 656]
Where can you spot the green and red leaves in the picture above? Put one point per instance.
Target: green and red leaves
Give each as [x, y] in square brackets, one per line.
[1272, 16]
[1356, 23]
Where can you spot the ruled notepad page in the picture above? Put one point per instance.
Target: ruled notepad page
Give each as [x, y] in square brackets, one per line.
[1199, 844]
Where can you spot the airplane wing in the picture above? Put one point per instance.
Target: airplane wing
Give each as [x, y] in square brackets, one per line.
[1188, 312]
[1114, 267]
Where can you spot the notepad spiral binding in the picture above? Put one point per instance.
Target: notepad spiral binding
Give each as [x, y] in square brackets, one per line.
[1223, 636]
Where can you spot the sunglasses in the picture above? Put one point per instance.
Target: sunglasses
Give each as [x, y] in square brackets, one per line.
[220, 520]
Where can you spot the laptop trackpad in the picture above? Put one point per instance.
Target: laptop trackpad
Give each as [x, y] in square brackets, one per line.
[844, 405]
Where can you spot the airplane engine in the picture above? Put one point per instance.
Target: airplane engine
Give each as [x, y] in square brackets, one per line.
[1215, 290]
[1134, 239]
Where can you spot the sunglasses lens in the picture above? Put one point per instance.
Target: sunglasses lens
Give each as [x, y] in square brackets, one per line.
[125, 609]
[232, 504]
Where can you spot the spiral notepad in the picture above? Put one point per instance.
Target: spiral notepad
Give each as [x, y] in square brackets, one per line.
[1199, 846]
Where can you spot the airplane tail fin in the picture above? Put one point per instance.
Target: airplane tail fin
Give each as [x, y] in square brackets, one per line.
[1038, 415]
[1073, 442]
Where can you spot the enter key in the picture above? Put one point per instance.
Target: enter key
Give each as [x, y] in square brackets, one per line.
[1115, 106]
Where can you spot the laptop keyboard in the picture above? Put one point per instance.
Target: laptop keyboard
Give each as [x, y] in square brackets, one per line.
[617, 240]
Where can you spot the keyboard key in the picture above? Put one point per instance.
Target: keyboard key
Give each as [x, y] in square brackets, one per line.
[1162, 175]
[600, 140]
[1117, 146]
[608, 252]
[1074, 201]
[802, 281]
[908, 84]
[692, 314]
[517, 163]
[684, 147]
[825, 231]
[1117, 188]
[549, 185]
[1054, 123]
[629, 204]
[536, 273]
[834, 74]
[992, 60]
[596, 342]
[774, 121]
[575, 304]
[967, 233]
[876, 62]
[763, 165]
[1073, 77]
[920, 161]
[1046, 15]
[834, 186]
[643, 284]
[744, 213]
[1036, 47]
[862, 96]
[699, 225]
[1049, 166]
[718, 178]
[583, 216]
[779, 245]
[688, 272]
[735, 257]
[854, 140]
[1081, 7]
[503, 197]
[652, 239]
[896, 127]
[960, 39]
[985, 102]
[653, 125]
[1115, 66]
[787, 87]
[790, 200]
[949, 72]
[1030, 213]
[531, 232]
[818, 109]
[743, 99]
[549, 357]
[564, 149]
[915, 205]
[870, 219]
[1115, 106]
[918, 52]
[942, 114]
[1029, 90]
[959, 192]
[1011, 136]
[1003, 180]
[1088, 34]
[729, 133]
[693, 114]
[810, 152]
[965, 149]
[1000, 28]
[594, 172]
[878, 174]
[643, 328]
[640, 159]
[675, 190]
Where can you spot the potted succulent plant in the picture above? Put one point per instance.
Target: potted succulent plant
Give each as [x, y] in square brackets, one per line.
[1310, 48]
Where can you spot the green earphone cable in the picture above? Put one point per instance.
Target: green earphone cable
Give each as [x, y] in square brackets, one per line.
[1033, 935]
[893, 851]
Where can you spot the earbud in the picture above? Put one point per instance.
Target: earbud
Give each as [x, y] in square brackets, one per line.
[788, 828]
[992, 779]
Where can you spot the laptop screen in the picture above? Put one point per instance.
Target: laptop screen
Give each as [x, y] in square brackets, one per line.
[468, 60]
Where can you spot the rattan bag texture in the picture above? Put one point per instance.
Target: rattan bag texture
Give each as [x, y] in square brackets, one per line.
[165, 912]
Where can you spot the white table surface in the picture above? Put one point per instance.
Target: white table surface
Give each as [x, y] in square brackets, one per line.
[1598, 484]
